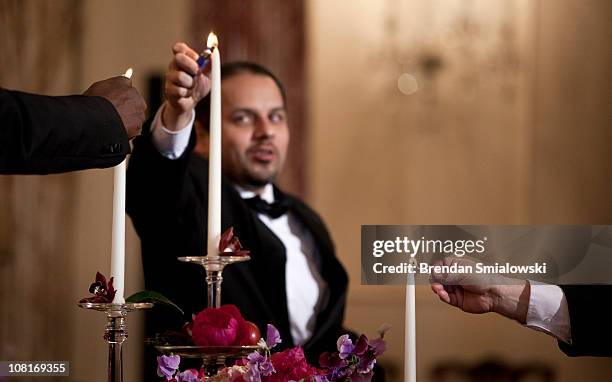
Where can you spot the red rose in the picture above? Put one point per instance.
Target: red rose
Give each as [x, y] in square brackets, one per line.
[216, 326]
[290, 365]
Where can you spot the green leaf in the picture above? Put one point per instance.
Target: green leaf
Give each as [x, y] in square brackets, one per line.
[152, 296]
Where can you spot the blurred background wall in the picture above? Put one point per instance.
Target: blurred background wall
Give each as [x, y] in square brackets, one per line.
[412, 112]
[459, 112]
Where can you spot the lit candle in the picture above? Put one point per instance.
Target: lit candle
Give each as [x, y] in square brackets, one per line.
[118, 239]
[410, 332]
[214, 153]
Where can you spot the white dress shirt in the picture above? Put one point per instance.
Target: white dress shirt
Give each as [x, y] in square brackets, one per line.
[171, 144]
[306, 289]
[548, 311]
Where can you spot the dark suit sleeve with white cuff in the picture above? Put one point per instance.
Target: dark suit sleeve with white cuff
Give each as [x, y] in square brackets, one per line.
[42, 134]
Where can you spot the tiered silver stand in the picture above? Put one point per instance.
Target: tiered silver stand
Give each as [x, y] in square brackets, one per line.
[213, 357]
[115, 332]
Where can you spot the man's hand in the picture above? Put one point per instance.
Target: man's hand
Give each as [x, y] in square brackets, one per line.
[125, 98]
[474, 293]
[469, 298]
[185, 86]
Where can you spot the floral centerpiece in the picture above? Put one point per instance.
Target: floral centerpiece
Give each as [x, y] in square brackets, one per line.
[352, 362]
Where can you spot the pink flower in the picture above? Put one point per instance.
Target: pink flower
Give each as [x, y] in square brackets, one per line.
[216, 326]
[290, 365]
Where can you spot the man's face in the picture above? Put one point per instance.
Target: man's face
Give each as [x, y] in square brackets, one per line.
[255, 135]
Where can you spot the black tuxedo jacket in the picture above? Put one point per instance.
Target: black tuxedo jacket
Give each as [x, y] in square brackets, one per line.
[167, 201]
[590, 311]
[42, 134]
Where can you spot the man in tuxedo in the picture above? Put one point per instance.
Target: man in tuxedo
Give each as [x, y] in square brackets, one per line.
[293, 280]
[41, 134]
[578, 316]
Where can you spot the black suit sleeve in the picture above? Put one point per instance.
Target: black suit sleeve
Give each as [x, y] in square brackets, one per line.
[590, 310]
[42, 134]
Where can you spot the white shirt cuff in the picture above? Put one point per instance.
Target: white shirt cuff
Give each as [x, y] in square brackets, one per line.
[548, 311]
[170, 144]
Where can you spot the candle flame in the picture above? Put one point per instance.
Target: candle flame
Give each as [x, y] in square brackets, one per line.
[212, 41]
[128, 73]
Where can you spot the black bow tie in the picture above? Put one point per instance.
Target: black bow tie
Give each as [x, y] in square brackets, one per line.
[274, 210]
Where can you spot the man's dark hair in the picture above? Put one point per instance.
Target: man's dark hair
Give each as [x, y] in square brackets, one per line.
[232, 69]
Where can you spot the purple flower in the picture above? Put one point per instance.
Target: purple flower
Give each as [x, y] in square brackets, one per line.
[272, 337]
[266, 368]
[167, 366]
[256, 357]
[361, 345]
[345, 346]
[339, 374]
[187, 376]
[352, 362]
[366, 363]
[378, 346]
[253, 374]
[259, 365]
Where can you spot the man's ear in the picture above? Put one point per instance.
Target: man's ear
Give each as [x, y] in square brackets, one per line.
[201, 147]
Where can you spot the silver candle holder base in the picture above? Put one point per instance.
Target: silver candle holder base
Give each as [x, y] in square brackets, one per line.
[115, 332]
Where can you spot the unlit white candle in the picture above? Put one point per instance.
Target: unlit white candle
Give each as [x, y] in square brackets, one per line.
[118, 240]
[214, 169]
[410, 330]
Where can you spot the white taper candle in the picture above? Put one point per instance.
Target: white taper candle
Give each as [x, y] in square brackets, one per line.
[410, 332]
[118, 239]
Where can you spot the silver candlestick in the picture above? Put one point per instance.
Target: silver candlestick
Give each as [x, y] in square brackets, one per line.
[115, 332]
